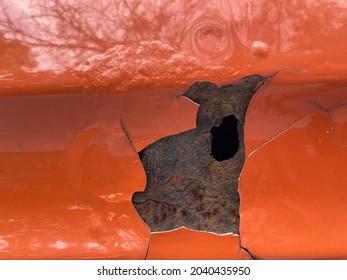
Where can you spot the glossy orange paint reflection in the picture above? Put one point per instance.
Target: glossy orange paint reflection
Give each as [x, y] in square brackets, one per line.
[46, 214]
[292, 187]
[166, 44]
[185, 244]
[69, 168]
[85, 86]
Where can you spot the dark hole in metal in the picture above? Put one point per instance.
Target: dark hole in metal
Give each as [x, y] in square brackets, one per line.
[189, 184]
[225, 139]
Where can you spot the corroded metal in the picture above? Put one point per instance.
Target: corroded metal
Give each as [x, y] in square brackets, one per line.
[186, 185]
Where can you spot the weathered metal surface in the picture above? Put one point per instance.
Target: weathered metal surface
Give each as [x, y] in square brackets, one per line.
[122, 47]
[186, 185]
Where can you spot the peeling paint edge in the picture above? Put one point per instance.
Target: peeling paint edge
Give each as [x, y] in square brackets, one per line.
[194, 230]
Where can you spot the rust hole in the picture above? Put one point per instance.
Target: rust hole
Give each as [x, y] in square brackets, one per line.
[192, 177]
[225, 139]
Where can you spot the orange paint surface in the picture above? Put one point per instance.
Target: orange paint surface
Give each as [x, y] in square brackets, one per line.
[185, 244]
[47, 214]
[293, 185]
[79, 98]
[156, 45]
[68, 172]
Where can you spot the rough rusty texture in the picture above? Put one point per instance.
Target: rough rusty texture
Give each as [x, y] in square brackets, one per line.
[186, 185]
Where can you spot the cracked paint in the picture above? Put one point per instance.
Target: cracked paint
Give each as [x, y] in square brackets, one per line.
[288, 102]
[153, 56]
[78, 172]
[292, 187]
[183, 244]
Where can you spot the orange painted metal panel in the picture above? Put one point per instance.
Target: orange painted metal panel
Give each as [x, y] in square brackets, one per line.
[292, 187]
[183, 244]
[80, 98]
[172, 43]
[69, 170]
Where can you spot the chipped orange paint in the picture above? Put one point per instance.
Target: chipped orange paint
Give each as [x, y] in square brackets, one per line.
[68, 172]
[183, 244]
[292, 187]
[78, 101]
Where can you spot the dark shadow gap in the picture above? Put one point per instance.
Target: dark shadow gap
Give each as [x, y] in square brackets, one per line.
[225, 139]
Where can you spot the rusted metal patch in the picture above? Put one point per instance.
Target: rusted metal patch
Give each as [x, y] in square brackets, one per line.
[192, 177]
